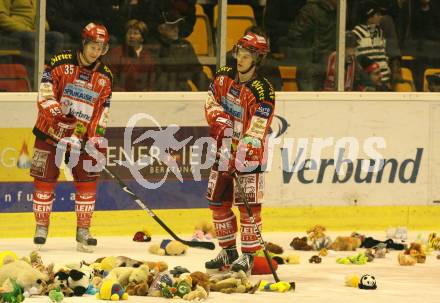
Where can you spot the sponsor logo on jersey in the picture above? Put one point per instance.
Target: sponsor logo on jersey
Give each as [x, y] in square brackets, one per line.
[235, 91]
[258, 86]
[80, 115]
[232, 98]
[80, 93]
[85, 75]
[264, 111]
[47, 77]
[60, 57]
[101, 82]
[257, 127]
[231, 108]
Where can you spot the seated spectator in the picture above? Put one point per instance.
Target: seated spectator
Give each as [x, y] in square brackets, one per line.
[371, 40]
[374, 76]
[185, 8]
[433, 82]
[278, 17]
[132, 64]
[177, 62]
[312, 38]
[126, 10]
[351, 66]
[268, 68]
[17, 22]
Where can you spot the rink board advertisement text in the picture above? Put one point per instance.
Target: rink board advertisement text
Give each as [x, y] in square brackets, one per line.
[334, 139]
[16, 185]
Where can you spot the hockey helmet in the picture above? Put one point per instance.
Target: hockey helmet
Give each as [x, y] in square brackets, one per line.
[254, 43]
[96, 33]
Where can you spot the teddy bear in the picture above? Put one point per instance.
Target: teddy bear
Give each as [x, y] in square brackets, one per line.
[57, 280]
[198, 294]
[232, 282]
[300, 244]
[317, 238]
[201, 279]
[24, 274]
[345, 244]
[204, 230]
[168, 247]
[412, 255]
[124, 275]
[137, 289]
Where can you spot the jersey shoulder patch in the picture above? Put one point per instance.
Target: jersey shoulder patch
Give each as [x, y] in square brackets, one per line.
[262, 89]
[105, 70]
[225, 71]
[65, 57]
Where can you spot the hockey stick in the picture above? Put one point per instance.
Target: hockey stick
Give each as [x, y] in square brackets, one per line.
[202, 244]
[254, 225]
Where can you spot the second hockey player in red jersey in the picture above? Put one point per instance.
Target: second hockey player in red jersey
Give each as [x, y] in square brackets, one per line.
[73, 100]
[240, 105]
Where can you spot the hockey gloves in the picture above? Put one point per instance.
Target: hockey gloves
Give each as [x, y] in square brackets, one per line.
[218, 130]
[248, 156]
[62, 126]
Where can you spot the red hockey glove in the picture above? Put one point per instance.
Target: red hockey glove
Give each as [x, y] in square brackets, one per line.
[51, 110]
[217, 130]
[62, 127]
[248, 156]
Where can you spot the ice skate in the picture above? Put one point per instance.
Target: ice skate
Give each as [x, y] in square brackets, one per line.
[40, 235]
[222, 262]
[245, 263]
[86, 243]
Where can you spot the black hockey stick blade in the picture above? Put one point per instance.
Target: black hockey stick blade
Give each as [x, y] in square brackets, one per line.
[201, 244]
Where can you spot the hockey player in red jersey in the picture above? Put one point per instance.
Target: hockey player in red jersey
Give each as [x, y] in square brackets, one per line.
[239, 111]
[73, 101]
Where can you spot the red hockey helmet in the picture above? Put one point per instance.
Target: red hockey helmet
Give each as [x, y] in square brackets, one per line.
[255, 44]
[96, 33]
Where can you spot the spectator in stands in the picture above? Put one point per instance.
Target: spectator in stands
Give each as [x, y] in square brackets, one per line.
[278, 17]
[126, 10]
[185, 8]
[373, 70]
[433, 82]
[268, 68]
[132, 64]
[351, 67]
[389, 23]
[18, 22]
[69, 17]
[177, 63]
[371, 39]
[426, 37]
[312, 38]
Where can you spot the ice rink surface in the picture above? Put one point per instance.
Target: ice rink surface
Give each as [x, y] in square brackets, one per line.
[314, 282]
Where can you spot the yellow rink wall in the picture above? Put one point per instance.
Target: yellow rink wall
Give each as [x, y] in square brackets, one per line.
[279, 219]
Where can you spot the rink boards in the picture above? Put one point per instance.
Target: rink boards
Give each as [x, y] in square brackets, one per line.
[333, 135]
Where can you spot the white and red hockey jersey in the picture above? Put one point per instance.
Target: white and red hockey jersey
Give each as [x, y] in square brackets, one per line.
[84, 92]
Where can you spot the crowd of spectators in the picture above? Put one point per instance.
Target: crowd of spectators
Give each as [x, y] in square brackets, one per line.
[150, 50]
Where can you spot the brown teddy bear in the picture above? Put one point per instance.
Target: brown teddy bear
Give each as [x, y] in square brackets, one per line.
[345, 244]
[201, 279]
[169, 248]
[137, 289]
[300, 244]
